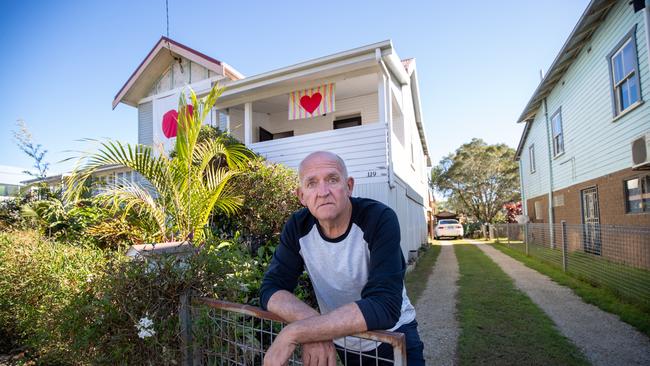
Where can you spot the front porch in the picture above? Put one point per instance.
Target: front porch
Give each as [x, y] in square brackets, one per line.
[357, 129]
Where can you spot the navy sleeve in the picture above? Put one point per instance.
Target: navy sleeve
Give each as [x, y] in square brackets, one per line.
[286, 265]
[381, 298]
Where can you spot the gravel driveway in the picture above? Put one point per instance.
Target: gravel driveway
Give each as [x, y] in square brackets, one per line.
[436, 310]
[601, 336]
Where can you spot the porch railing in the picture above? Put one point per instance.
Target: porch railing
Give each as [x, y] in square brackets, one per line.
[616, 257]
[217, 332]
[362, 147]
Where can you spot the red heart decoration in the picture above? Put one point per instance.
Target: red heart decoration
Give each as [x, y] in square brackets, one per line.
[170, 121]
[310, 103]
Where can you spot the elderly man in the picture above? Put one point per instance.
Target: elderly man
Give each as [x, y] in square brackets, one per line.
[350, 248]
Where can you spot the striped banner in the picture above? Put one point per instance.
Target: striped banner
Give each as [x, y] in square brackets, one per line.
[314, 102]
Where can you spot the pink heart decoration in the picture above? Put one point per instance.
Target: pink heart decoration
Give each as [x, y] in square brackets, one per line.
[170, 121]
[310, 103]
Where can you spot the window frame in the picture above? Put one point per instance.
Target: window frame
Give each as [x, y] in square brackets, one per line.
[531, 158]
[556, 148]
[339, 121]
[644, 183]
[266, 135]
[613, 86]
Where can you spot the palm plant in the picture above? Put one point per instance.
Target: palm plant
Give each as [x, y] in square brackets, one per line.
[179, 193]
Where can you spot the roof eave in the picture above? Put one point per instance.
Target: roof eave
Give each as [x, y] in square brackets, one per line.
[580, 34]
[385, 46]
[415, 90]
[174, 47]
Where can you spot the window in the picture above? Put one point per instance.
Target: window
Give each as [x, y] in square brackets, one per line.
[558, 135]
[267, 136]
[531, 156]
[347, 122]
[637, 194]
[624, 74]
[448, 222]
[539, 214]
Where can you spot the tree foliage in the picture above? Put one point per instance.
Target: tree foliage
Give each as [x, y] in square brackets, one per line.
[25, 142]
[478, 178]
[178, 193]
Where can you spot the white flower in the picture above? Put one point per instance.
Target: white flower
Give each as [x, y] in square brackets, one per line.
[89, 278]
[145, 322]
[144, 333]
[144, 328]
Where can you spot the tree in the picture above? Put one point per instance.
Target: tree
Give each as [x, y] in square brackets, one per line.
[179, 192]
[25, 142]
[478, 178]
[513, 209]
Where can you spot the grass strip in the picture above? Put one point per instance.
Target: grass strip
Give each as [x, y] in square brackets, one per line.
[634, 314]
[416, 280]
[629, 283]
[499, 324]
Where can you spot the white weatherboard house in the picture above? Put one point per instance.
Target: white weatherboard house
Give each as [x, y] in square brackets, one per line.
[362, 104]
[10, 180]
[585, 151]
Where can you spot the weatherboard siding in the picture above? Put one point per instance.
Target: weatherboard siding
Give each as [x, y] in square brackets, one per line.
[536, 183]
[595, 145]
[363, 148]
[405, 133]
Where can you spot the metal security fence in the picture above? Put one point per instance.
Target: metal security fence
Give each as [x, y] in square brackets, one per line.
[617, 257]
[222, 333]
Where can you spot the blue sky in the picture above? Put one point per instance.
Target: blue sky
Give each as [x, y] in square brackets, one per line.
[478, 61]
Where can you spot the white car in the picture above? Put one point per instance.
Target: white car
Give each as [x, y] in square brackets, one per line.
[448, 228]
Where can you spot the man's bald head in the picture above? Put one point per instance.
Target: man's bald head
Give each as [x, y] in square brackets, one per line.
[323, 155]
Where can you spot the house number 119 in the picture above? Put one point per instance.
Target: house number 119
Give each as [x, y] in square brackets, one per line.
[372, 173]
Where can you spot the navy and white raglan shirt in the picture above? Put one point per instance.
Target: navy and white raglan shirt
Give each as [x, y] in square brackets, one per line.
[365, 265]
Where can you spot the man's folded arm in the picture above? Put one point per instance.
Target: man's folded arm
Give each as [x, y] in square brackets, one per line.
[381, 297]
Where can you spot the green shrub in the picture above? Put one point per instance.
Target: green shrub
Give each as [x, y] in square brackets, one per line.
[10, 217]
[86, 221]
[76, 305]
[471, 229]
[39, 279]
[269, 199]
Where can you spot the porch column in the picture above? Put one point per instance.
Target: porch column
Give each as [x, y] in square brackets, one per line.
[384, 94]
[248, 123]
[228, 120]
[381, 94]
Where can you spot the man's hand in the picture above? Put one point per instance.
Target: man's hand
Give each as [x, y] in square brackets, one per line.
[319, 354]
[281, 349]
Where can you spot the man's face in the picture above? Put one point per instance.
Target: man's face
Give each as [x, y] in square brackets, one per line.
[323, 189]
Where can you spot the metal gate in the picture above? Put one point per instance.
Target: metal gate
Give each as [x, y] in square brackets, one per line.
[217, 332]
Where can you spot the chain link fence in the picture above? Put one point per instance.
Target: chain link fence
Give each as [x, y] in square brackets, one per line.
[616, 257]
[222, 333]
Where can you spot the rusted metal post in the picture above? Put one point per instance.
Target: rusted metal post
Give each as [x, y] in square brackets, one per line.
[399, 350]
[564, 247]
[526, 240]
[185, 318]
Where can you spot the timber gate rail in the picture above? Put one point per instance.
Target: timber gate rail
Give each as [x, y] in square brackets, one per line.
[220, 333]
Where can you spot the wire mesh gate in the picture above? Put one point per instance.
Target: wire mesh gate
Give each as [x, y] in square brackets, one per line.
[220, 333]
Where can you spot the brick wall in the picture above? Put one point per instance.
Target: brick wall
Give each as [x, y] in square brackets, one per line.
[530, 206]
[631, 248]
[611, 201]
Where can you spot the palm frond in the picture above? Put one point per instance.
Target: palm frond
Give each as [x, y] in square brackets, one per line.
[130, 196]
